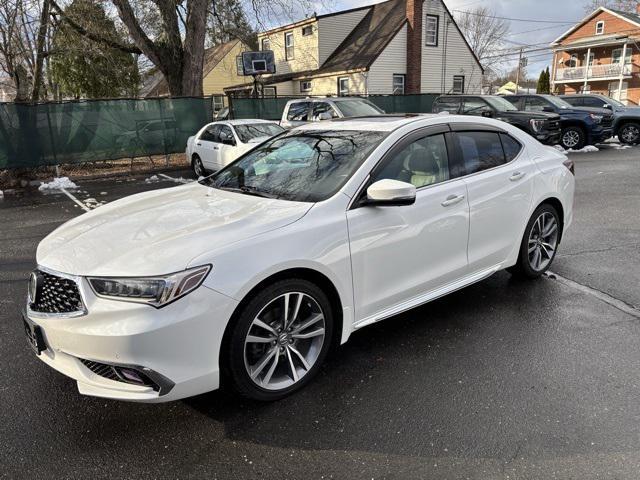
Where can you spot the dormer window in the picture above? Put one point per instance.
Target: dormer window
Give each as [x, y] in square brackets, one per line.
[600, 28]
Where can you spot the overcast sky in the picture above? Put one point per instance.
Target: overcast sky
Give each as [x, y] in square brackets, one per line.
[552, 10]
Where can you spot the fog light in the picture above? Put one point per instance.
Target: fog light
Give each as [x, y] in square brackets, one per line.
[132, 375]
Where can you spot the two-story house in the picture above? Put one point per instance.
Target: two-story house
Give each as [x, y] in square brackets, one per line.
[397, 46]
[600, 54]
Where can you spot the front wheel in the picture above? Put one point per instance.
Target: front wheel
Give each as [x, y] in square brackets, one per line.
[629, 133]
[539, 243]
[572, 138]
[280, 339]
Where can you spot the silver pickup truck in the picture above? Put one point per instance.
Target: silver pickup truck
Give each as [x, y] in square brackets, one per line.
[305, 110]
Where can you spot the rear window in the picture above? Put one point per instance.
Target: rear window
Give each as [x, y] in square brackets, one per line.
[447, 104]
[358, 108]
[511, 147]
[480, 151]
[298, 111]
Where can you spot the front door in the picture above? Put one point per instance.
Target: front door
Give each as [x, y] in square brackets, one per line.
[226, 147]
[499, 178]
[400, 253]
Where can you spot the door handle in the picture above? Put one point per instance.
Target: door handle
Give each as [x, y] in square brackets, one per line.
[215, 148]
[452, 200]
[199, 144]
[517, 176]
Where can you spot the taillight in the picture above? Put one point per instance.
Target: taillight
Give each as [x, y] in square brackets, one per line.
[569, 164]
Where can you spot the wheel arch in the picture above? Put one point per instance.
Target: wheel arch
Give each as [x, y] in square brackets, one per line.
[304, 273]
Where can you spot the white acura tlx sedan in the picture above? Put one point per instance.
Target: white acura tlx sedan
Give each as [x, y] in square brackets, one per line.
[248, 277]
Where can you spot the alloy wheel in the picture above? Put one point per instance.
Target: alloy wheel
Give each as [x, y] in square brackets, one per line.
[571, 138]
[198, 167]
[630, 134]
[543, 240]
[284, 341]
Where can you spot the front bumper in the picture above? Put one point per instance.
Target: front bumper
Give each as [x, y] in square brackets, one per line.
[179, 344]
[548, 138]
[600, 135]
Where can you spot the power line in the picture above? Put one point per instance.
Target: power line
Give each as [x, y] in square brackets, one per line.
[540, 29]
[514, 19]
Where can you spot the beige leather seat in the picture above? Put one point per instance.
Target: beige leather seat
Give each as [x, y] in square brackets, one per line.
[423, 168]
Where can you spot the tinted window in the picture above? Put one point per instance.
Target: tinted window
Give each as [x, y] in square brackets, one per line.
[480, 150]
[210, 134]
[591, 102]
[423, 162]
[300, 166]
[225, 134]
[511, 147]
[474, 106]
[576, 101]
[535, 104]
[444, 104]
[358, 108]
[322, 107]
[298, 111]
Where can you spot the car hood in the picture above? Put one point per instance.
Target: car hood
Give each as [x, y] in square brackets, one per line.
[161, 231]
[597, 111]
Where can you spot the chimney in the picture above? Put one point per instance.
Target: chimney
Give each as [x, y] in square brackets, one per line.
[414, 45]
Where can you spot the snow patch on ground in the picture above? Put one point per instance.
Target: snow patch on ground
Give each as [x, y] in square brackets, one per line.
[152, 179]
[587, 149]
[57, 183]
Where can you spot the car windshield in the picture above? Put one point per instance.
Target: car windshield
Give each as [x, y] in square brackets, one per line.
[256, 130]
[558, 102]
[306, 166]
[358, 108]
[500, 104]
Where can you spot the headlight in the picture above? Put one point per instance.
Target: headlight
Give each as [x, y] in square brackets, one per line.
[536, 125]
[156, 291]
[595, 118]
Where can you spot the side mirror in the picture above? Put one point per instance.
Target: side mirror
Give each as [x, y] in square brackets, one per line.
[487, 113]
[548, 109]
[606, 105]
[390, 193]
[325, 116]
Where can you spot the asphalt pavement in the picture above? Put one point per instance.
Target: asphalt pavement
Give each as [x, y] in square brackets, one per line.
[505, 379]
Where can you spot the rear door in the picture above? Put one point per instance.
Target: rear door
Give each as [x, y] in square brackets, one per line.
[208, 145]
[499, 179]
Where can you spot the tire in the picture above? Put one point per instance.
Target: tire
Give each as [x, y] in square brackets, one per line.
[572, 138]
[530, 264]
[285, 359]
[629, 133]
[198, 166]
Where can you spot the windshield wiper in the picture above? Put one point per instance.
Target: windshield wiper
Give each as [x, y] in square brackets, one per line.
[247, 190]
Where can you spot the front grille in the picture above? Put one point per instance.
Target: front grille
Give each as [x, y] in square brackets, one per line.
[553, 125]
[55, 294]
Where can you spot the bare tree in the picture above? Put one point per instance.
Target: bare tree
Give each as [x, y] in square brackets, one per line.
[624, 5]
[484, 32]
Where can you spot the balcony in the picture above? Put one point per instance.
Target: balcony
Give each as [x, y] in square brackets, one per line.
[594, 72]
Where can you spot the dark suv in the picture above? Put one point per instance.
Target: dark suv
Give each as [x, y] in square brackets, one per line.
[626, 121]
[580, 125]
[545, 127]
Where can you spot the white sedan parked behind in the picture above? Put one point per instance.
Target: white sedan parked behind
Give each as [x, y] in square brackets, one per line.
[249, 276]
[218, 144]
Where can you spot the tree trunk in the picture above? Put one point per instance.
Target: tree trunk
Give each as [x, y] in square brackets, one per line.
[40, 44]
[193, 50]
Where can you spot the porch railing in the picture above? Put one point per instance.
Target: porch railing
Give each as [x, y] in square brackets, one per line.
[592, 72]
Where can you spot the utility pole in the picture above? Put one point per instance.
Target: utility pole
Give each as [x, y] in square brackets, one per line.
[518, 72]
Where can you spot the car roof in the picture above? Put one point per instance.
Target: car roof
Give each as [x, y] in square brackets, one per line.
[326, 99]
[245, 121]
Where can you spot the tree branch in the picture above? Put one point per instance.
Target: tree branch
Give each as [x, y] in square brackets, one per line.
[128, 48]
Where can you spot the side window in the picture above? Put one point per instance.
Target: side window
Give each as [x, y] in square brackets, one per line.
[225, 134]
[517, 102]
[423, 162]
[474, 106]
[322, 107]
[535, 104]
[211, 134]
[298, 111]
[511, 147]
[480, 150]
[592, 102]
[575, 101]
[447, 104]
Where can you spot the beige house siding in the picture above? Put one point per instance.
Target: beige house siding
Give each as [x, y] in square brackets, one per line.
[305, 48]
[392, 60]
[334, 29]
[456, 60]
[224, 74]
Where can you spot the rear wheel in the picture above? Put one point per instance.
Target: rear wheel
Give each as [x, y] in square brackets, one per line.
[629, 133]
[281, 338]
[198, 167]
[572, 138]
[539, 243]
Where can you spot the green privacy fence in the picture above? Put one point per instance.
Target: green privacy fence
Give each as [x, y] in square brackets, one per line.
[271, 108]
[84, 131]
